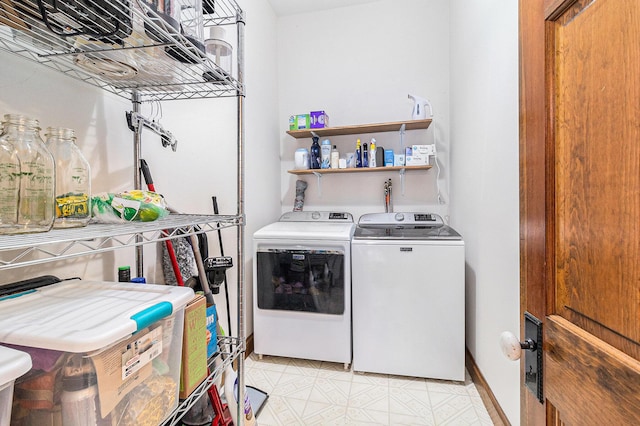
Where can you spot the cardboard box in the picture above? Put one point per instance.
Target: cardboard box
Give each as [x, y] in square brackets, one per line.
[194, 346]
[388, 157]
[299, 122]
[319, 119]
[303, 121]
[123, 366]
[212, 331]
[414, 158]
[398, 159]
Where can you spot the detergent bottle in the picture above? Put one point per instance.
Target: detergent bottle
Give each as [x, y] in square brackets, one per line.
[316, 156]
[419, 112]
[358, 154]
[372, 157]
[231, 395]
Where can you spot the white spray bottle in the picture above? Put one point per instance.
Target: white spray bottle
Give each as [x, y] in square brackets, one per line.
[419, 112]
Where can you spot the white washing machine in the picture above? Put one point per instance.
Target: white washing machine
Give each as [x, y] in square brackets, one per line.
[408, 296]
[302, 286]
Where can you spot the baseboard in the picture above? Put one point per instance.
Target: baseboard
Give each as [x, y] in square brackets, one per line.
[249, 348]
[488, 398]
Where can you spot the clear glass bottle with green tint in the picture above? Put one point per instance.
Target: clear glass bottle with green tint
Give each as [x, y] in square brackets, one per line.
[73, 179]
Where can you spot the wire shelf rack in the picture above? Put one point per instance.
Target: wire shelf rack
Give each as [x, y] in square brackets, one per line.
[31, 249]
[225, 358]
[121, 46]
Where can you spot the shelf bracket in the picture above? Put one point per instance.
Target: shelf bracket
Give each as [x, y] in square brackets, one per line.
[319, 176]
[402, 173]
[402, 130]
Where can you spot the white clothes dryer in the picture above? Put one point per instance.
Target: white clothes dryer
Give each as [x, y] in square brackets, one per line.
[408, 296]
[302, 287]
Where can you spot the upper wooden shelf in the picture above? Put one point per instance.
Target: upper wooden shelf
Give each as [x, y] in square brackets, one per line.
[361, 128]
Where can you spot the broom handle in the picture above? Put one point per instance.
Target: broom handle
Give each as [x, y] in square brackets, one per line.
[172, 253]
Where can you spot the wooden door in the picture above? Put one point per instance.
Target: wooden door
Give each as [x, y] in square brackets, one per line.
[580, 206]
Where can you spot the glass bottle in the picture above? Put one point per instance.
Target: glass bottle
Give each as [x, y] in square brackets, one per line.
[9, 184]
[37, 174]
[73, 179]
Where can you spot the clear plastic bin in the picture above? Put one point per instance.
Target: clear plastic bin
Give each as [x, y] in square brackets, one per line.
[103, 353]
[13, 364]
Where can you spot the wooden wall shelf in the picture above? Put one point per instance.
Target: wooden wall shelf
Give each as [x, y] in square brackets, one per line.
[358, 170]
[362, 128]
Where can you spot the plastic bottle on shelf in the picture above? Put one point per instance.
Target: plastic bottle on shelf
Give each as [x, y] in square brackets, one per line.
[358, 154]
[335, 157]
[325, 152]
[124, 274]
[35, 209]
[365, 155]
[372, 160]
[73, 179]
[315, 153]
[231, 395]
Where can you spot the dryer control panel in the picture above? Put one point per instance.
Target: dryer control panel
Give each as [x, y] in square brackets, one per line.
[316, 216]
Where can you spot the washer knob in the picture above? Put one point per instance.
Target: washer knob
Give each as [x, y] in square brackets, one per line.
[315, 215]
[399, 217]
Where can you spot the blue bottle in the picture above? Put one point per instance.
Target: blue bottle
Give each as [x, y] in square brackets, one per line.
[365, 155]
[358, 154]
[316, 156]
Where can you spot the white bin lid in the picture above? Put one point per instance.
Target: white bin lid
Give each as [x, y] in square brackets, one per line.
[13, 364]
[83, 316]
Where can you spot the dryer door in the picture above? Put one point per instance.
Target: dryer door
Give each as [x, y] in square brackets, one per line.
[306, 280]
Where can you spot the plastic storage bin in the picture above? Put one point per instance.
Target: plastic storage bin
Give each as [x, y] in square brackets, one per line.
[103, 353]
[13, 364]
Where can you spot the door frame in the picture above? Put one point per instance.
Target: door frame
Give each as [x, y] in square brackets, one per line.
[533, 89]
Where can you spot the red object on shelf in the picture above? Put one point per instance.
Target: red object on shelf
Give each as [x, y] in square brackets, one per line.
[222, 414]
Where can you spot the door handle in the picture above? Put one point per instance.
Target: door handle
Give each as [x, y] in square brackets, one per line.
[532, 346]
[512, 347]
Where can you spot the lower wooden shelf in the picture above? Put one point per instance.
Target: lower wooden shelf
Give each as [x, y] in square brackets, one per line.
[358, 170]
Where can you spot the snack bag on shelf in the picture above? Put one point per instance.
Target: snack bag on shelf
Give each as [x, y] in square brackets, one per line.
[135, 205]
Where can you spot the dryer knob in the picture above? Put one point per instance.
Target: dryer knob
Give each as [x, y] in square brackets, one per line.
[315, 215]
[399, 217]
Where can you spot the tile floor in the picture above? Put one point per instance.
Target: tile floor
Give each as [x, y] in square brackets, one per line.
[303, 392]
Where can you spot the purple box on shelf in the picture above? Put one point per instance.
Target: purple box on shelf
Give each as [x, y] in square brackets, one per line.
[319, 119]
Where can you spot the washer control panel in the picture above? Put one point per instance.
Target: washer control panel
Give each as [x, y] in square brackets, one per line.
[400, 220]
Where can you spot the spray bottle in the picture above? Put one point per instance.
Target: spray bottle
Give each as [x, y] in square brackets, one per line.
[419, 112]
[358, 154]
[372, 147]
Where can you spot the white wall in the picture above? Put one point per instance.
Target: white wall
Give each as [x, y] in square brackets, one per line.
[203, 166]
[359, 63]
[484, 181]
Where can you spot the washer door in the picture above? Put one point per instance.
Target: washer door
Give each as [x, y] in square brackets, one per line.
[301, 280]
